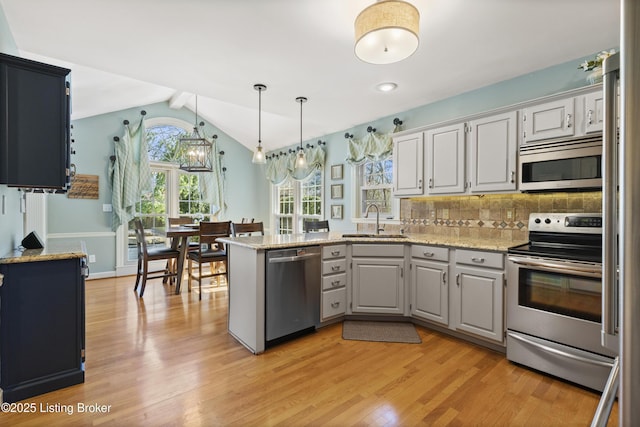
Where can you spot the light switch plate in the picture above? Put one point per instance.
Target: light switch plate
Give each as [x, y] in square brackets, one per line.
[107, 207]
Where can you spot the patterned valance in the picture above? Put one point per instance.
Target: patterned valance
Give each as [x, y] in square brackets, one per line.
[372, 147]
[282, 166]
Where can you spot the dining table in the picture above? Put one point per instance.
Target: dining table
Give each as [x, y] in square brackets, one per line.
[179, 235]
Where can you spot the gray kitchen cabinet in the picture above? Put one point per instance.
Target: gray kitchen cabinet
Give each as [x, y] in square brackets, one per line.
[445, 159]
[429, 283]
[493, 145]
[408, 158]
[478, 294]
[593, 114]
[549, 120]
[377, 279]
[334, 282]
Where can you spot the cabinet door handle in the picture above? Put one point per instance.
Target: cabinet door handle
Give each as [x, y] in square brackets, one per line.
[335, 283]
[458, 279]
[478, 260]
[401, 272]
[444, 277]
[428, 254]
[430, 182]
[589, 117]
[513, 176]
[335, 304]
[335, 268]
[419, 184]
[568, 120]
[335, 253]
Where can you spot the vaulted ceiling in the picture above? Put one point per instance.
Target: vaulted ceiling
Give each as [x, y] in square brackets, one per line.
[129, 53]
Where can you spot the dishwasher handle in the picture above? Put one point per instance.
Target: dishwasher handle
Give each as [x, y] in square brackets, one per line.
[293, 258]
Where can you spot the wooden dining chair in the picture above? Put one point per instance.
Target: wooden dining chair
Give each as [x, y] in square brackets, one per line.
[245, 220]
[210, 251]
[247, 229]
[146, 255]
[314, 226]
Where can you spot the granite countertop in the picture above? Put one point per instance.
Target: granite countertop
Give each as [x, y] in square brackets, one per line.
[310, 239]
[51, 251]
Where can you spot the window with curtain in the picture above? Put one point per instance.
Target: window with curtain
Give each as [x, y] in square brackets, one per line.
[297, 201]
[174, 192]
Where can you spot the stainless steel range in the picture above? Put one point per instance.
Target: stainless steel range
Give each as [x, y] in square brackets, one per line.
[554, 299]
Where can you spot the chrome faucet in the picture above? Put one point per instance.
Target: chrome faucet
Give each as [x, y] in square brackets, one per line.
[366, 215]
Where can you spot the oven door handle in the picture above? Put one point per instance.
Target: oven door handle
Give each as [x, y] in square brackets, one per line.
[560, 352]
[558, 267]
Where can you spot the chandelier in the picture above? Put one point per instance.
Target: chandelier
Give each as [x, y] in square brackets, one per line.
[195, 149]
[387, 32]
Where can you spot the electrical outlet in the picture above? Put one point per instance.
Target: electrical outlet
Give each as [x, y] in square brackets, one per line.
[92, 258]
[445, 213]
[509, 213]
[107, 207]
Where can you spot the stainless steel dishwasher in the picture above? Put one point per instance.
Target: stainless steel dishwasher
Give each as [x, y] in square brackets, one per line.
[292, 293]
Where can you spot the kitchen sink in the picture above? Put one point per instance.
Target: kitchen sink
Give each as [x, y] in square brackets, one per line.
[375, 236]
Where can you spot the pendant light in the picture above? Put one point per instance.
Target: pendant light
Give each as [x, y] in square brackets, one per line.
[195, 149]
[387, 32]
[258, 154]
[301, 161]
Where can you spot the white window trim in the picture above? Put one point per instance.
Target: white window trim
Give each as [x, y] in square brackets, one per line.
[297, 216]
[355, 204]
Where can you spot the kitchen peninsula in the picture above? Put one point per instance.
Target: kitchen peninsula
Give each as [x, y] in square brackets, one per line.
[42, 331]
[473, 305]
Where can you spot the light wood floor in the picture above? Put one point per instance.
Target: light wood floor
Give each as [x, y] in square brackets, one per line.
[168, 360]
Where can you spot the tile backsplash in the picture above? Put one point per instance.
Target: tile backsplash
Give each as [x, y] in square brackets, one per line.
[491, 216]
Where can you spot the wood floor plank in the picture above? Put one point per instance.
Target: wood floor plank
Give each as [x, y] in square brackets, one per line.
[168, 360]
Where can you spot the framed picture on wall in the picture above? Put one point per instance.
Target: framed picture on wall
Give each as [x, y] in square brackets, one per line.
[336, 191]
[336, 211]
[337, 171]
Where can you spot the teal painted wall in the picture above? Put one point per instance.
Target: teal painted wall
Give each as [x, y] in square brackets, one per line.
[11, 221]
[246, 188]
[555, 79]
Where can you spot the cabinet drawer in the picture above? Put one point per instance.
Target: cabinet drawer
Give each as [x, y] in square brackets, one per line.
[334, 251]
[334, 302]
[434, 253]
[334, 281]
[334, 266]
[480, 259]
[377, 250]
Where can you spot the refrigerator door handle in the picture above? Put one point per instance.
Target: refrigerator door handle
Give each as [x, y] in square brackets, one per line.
[609, 202]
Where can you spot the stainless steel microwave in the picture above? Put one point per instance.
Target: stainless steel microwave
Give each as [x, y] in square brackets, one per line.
[563, 164]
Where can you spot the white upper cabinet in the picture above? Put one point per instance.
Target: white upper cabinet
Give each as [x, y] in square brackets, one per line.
[550, 120]
[408, 166]
[593, 115]
[445, 159]
[493, 146]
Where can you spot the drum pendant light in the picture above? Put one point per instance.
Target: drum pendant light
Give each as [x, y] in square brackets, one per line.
[387, 32]
[301, 161]
[258, 154]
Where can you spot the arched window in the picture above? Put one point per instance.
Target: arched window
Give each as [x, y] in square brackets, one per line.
[175, 192]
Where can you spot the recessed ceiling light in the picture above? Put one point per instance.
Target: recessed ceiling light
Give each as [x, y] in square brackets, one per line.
[386, 86]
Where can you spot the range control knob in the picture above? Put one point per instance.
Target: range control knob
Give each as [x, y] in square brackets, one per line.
[537, 220]
[547, 221]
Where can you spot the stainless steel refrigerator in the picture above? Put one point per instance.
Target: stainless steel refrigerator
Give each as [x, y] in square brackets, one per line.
[621, 219]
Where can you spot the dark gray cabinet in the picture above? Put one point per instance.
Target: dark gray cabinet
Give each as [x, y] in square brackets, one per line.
[35, 144]
[42, 327]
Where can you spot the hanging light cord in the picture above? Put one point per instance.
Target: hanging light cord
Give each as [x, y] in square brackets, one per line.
[259, 116]
[301, 101]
